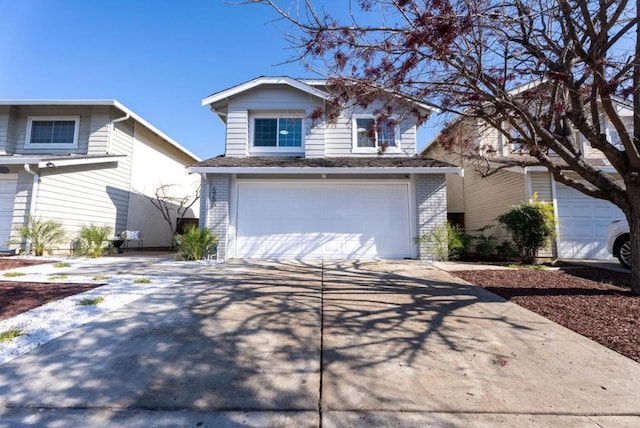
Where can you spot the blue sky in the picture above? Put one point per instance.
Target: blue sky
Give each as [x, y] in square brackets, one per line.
[159, 58]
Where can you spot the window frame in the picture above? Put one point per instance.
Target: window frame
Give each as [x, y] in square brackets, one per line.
[354, 136]
[32, 119]
[277, 148]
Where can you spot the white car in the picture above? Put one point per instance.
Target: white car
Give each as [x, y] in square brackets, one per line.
[618, 242]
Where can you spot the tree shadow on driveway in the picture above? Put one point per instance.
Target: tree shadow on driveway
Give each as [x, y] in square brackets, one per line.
[253, 337]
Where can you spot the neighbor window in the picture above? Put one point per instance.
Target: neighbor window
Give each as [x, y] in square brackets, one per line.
[277, 132]
[52, 131]
[370, 133]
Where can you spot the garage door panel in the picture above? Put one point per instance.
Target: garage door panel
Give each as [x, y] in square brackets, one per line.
[311, 220]
[582, 224]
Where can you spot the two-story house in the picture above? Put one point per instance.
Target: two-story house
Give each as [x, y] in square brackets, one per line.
[288, 186]
[476, 199]
[86, 161]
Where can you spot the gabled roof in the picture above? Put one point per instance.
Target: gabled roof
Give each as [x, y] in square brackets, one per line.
[332, 165]
[265, 80]
[111, 103]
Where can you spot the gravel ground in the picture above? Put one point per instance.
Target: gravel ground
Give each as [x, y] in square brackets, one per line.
[584, 300]
[58, 317]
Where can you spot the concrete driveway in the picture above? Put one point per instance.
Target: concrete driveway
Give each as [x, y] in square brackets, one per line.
[306, 344]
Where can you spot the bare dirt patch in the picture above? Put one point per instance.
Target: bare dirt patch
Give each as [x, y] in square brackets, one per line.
[17, 296]
[584, 300]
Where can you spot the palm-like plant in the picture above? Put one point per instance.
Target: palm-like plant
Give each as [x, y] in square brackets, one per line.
[93, 240]
[195, 243]
[43, 234]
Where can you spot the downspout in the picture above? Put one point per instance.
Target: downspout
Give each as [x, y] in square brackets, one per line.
[112, 126]
[34, 192]
[110, 137]
[34, 189]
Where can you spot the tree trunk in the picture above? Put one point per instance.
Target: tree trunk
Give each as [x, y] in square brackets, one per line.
[633, 191]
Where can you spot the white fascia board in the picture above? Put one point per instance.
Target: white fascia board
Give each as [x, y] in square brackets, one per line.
[539, 168]
[265, 81]
[53, 163]
[313, 170]
[155, 130]
[113, 103]
[18, 161]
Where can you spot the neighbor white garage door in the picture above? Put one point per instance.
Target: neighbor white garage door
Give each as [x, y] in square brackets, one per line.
[8, 185]
[323, 220]
[583, 222]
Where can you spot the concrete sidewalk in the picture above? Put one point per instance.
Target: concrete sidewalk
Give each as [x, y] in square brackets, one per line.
[307, 344]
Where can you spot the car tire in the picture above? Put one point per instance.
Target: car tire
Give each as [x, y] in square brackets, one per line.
[623, 251]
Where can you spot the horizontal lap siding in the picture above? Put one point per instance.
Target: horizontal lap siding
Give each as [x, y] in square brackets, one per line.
[23, 113]
[487, 198]
[82, 196]
[237, 133]
[21, 203]
[274, 98]
[96, 193]
[541, 184]
[4, 129]
[156, 164]
[339, 135]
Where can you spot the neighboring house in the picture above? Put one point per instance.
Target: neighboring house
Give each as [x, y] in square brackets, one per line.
[476, 201]
[83, 162]
[291, 187]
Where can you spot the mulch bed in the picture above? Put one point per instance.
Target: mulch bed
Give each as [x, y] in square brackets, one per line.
[17, 297]
[7, 263]
[605, 313]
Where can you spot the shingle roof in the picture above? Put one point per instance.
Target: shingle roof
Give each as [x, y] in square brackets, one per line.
[338, 162]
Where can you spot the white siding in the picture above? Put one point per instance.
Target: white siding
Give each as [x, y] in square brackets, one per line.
[540, 183]
[487, 198]
[4, 129]
[339, 136]
[271, 98]
[84, 195]
[237, 138]
[21, 119]
[154, 165]
[21, 203]
[98, 139]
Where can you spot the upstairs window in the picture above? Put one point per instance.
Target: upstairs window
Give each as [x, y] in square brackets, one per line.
[371, 134]
[52, 132]
[277, 132]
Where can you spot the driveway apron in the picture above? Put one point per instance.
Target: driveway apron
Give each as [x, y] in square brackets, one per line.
[241, 337]
[320, 344]
[402, 340]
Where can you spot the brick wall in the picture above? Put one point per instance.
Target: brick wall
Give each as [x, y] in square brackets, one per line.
[431, 203]
[217, 196]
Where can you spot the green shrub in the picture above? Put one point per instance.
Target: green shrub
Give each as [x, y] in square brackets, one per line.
[43, 234]
[94, 241]
[485, 245]
[195, 243]
[532, 225]
[506, 250]
[449, 242]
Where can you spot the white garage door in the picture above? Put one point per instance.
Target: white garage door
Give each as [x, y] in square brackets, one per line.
[583, 222]
[8, 185]
[318, 220]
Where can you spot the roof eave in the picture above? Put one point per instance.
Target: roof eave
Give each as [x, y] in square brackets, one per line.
[218, 96]
[324, 170]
